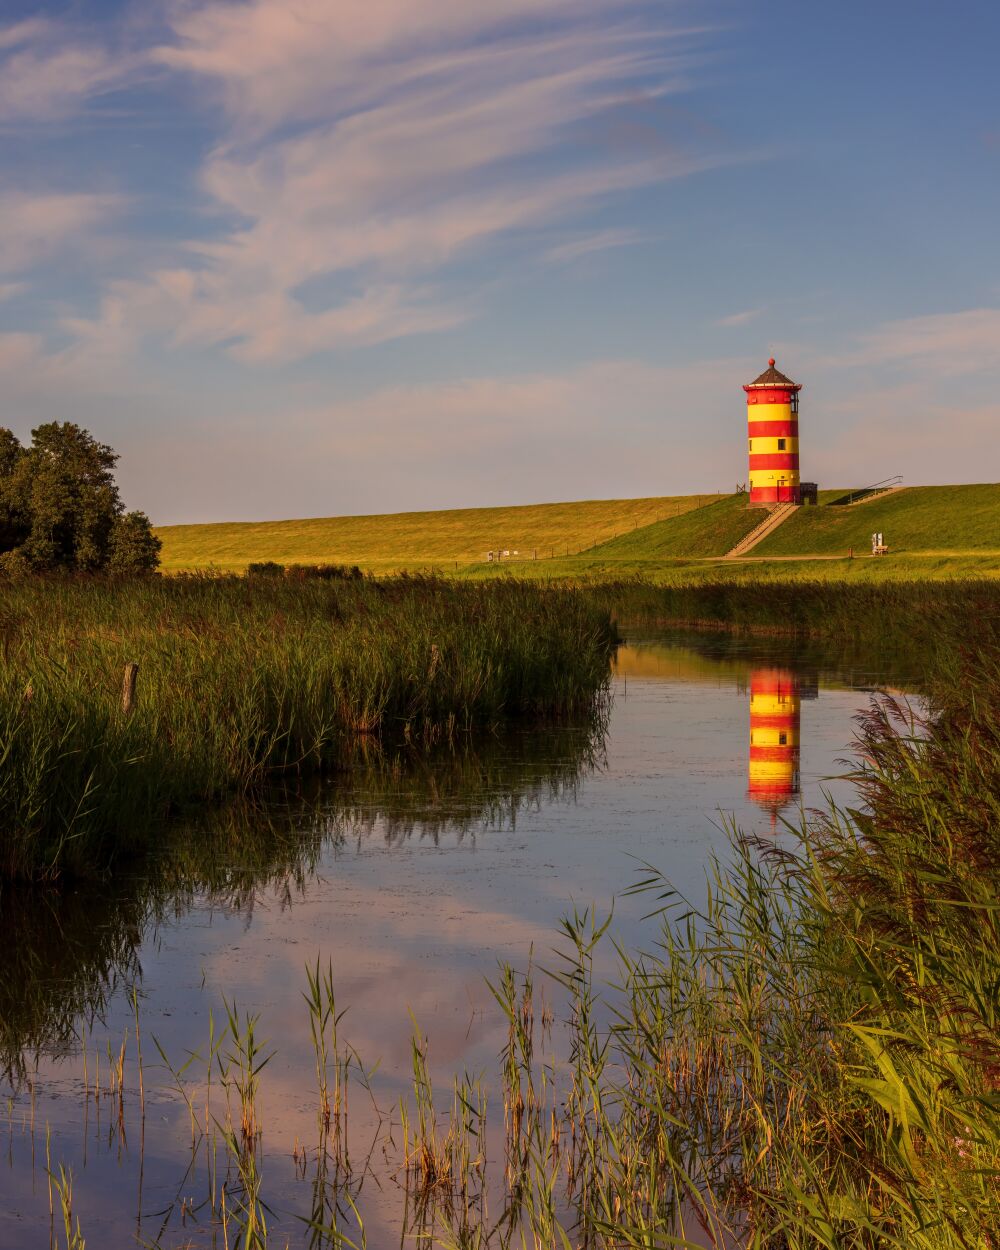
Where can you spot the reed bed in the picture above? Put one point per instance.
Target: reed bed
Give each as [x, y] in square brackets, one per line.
[899, 618]
[243, 679]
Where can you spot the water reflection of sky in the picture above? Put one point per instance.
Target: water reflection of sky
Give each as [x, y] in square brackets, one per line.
[417, 893]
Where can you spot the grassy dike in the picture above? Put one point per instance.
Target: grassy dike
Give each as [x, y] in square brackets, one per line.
[932, 531]
[418, 540]
[244, 679]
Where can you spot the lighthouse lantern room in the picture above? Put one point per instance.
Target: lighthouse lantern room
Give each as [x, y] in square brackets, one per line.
[773, 438]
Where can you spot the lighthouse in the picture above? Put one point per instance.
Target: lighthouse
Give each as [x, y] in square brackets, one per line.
[775, 717]
[773, 438]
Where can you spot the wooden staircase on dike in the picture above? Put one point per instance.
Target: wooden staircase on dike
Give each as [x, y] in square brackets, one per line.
[775, 516]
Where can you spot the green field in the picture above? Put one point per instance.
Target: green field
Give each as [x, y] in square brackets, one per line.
[702, 533]
[932, 531]
[909, 568]
[920, 519]
[418, 539]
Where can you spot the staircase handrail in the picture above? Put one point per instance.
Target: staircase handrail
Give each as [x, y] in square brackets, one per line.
[886, 484]
[768, 519]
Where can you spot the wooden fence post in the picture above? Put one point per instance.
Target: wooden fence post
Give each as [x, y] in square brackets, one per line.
[128, 687]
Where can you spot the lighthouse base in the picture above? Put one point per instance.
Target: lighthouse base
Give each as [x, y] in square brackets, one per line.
[764, 496]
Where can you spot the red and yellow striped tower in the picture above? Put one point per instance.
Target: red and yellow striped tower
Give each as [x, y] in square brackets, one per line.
[773, 434]
[775, 718]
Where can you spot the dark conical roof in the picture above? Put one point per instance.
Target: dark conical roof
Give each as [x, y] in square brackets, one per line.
[772, 377]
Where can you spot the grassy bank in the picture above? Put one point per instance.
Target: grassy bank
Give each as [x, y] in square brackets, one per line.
[931, 531]
[241, 679]
[418, 540]
[956, 520]
[709, 531]
[592, 570]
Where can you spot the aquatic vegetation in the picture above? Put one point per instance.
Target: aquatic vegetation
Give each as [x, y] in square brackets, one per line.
[908, 624]
[71, 946]
[426, 1155]
[806, 1058]
[331, 1051]
[810, 1057]
[63, 1186]
[241, 680]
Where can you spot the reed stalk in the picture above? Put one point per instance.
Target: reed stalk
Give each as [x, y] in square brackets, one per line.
[243, 680]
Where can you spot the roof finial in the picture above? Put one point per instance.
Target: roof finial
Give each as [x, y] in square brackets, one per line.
[771, 362]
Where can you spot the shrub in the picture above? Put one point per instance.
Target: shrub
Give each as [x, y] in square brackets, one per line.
[133, 548]
[325, 572]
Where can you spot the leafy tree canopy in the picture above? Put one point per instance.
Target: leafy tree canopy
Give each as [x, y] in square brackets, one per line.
[60, 507]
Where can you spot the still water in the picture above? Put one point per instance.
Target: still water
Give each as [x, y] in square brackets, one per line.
[412, 879]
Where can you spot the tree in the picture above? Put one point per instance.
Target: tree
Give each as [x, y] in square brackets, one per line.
[13, 521]
[60, 507]
[133, 548]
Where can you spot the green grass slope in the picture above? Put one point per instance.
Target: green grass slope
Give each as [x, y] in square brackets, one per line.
[750, 571]
[418, 539]
[698, 534]
[925, 519]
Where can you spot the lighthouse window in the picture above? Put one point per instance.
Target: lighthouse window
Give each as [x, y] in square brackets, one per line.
[782, 740]
[781, 444]
[795, 401]
[751, 444]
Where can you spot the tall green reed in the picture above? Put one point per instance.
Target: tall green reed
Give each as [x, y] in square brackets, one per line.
[242, 680]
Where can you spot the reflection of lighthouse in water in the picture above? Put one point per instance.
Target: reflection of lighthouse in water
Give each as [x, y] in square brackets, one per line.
[775, 717]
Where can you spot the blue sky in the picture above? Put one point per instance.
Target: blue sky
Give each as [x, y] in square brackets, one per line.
[312, 257]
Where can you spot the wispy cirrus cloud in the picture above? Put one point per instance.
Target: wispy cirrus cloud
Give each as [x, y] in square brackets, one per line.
[37, 225]
[366, 150]
[48, 72]
[945, 343]
[17, 350]
[275, 61]
[20, 33]
[739, 318]
[595, 241]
